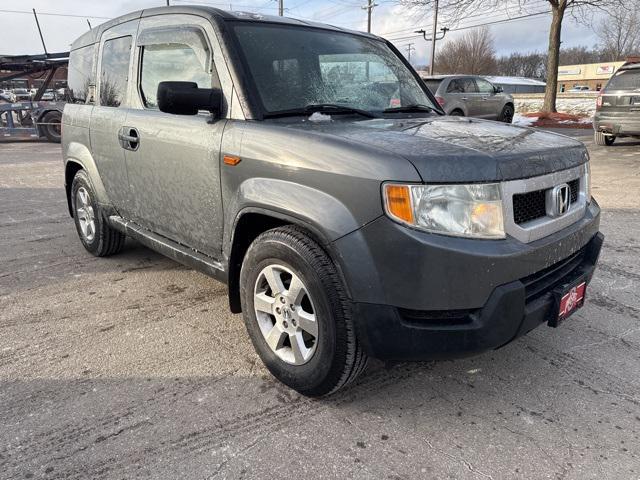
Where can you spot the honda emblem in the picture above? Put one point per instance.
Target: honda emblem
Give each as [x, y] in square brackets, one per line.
[558, 200]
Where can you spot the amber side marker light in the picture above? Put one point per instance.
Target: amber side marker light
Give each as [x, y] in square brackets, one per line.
[230, 160]
[398, 198]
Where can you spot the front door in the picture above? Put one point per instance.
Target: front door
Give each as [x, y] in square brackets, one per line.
[110, 112]
[173, 161]
[491, 103]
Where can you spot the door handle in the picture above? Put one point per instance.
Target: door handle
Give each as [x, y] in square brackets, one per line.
[464, 99]
[129, 138]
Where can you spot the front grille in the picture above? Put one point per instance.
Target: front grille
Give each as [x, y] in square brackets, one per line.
[533, 205]
[529, 206]
[542, 282]
[574, 186]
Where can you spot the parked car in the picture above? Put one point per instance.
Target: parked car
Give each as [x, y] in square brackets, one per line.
[7, 96]
[471, 96]
[618, 106]
[579, 89]
[310, 169]
[21, 94]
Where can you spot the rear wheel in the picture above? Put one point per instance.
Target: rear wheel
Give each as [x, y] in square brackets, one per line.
[603, 140]
[52, 126]
[457, 113]
[97, 237]
[297, 313]
[506, 115]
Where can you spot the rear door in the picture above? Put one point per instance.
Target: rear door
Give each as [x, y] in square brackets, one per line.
[174, 164]
[110, 112]
[464, 92]
[621, 96]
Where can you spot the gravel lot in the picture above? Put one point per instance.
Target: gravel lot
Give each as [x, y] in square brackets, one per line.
[132, 367]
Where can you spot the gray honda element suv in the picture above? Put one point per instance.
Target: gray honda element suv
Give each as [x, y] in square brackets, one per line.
[311, 170]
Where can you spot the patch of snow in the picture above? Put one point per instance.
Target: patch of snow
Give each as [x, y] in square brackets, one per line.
[515, 80]
[319, 117]
[522, 121]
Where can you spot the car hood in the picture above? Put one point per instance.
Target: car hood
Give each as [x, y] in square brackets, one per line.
[454, 149]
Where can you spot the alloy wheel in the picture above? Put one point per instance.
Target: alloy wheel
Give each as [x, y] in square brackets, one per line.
[285, 314]
[85, 213]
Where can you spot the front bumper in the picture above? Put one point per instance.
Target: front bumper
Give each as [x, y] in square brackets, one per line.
[424, 296]
[390, 333]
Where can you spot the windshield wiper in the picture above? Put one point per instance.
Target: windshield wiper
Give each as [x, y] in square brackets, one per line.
[416, 107]
[329, 108]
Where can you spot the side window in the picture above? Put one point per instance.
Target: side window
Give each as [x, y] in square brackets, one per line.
[468, 85]
[171, 62]
[114, 71]
[80, 76]
[484, 86]
[455, 86]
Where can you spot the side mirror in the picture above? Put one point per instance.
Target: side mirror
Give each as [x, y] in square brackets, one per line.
[498, 89]
[185, 98]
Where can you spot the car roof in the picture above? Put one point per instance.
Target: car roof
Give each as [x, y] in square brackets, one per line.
[215, 15]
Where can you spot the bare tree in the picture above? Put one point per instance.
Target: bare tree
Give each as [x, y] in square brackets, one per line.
[619, 32]
[471, 54]
[530, 65]
[457, 10]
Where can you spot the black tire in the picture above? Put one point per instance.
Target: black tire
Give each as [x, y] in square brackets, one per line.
[52, 128]
[603, 140]
[105, 240]
[507, 113]
[457, 113]
[338, 358]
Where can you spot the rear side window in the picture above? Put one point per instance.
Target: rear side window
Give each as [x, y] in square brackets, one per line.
[171, 62]
[625, 80]
[462, 85]
[81, 75]
[114, 71]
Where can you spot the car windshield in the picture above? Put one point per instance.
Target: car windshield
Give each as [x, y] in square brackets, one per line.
[625, 80]
[294, 68]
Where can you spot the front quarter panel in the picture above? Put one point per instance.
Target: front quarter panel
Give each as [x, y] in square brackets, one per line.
[326, 182]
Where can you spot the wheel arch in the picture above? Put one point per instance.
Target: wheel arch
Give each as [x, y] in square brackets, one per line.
[78, 157]
[248, 225]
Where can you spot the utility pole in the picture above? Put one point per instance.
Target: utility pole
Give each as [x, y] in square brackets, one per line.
[369, 7]
[410, 48]
[281, 8]
[433, 37]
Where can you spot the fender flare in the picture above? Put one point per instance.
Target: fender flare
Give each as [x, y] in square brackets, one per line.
[79, 154]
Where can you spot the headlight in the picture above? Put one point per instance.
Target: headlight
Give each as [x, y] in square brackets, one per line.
[459, 210]
[587, 181]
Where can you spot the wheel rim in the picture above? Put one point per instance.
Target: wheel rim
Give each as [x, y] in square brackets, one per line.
[285, 314]
[86, 218]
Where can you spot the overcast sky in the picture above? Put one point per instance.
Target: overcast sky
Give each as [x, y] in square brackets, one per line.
[19, 35]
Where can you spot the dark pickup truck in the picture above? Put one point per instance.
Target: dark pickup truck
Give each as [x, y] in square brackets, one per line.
[310, 169]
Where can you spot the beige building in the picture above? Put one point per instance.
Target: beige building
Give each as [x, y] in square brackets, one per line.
[592, 75]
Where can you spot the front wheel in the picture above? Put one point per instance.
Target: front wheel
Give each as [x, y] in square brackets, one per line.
[297, 313]
[506, 115]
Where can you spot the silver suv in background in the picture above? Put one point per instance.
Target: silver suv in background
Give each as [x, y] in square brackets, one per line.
[618, 106]
[471, 96]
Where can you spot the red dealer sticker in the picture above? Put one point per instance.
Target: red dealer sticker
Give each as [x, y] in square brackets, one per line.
[572, 301]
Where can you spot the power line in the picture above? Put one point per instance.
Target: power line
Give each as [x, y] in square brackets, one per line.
[55, 14]
[466, 27]
[534, 3]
